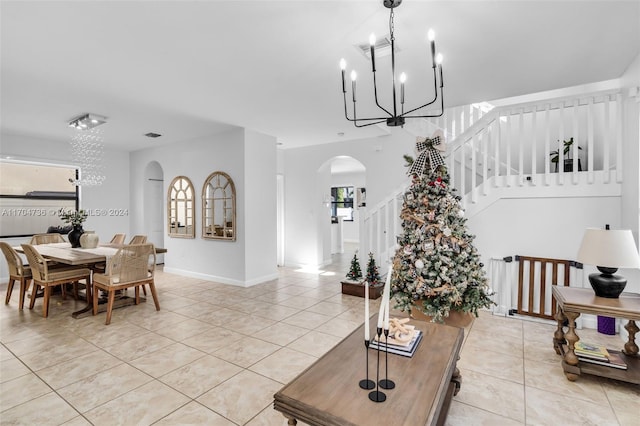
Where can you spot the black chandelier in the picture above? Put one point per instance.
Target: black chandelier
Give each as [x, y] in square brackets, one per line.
[393, 119]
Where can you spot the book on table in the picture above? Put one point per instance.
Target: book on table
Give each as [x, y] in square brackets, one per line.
[398, 349]
[614, 361]
[591, 351]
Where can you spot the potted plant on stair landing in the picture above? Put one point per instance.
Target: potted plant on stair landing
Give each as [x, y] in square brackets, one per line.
[567, 151]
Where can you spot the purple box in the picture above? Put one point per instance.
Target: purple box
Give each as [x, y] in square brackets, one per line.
[606, 325]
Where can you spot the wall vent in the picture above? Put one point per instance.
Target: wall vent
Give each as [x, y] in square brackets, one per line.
[383, 47]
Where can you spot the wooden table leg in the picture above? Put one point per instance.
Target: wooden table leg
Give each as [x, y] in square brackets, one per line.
[630, 348]
[571, 336]
[291, 421]
[558, 336]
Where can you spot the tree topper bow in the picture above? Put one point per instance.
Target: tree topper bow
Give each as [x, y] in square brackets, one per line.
[428, 152]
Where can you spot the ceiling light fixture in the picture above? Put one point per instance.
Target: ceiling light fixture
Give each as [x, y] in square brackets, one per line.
[87, 121]
[393, 118]
[87, 149]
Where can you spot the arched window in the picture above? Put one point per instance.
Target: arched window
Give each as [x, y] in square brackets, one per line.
[180, 208]
[219, 207]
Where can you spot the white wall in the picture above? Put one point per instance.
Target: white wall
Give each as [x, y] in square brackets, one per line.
[260, 207]
[112, 197]
[251, 258]
[385, 171]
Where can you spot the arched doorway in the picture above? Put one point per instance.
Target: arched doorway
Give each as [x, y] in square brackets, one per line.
[342, 182]
[153, 206]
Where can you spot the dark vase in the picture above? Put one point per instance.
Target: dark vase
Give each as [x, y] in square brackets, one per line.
[74, 235]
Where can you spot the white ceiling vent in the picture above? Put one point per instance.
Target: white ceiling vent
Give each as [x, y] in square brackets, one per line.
[383, 47]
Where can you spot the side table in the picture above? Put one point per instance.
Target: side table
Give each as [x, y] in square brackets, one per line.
[575, 301]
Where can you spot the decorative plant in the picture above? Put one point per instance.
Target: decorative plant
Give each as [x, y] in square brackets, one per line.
[73, 217]
[373, 276]
[355, 273]
[567, 151]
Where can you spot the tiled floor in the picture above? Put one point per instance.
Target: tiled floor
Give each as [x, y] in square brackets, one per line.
[215, 355]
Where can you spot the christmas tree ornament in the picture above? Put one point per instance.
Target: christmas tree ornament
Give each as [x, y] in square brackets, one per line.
[419, 264]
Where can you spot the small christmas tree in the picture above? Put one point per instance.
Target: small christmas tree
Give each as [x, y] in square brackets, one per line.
[373, 276]
[436, 268]
[355, 273]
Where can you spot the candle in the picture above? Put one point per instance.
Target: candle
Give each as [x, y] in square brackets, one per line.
[431, 35]
[384, 304]
[366, 311]
[343, 66]
[372, 47]
[354, 75]
[387, 297]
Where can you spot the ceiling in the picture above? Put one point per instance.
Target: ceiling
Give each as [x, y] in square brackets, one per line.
[188, 69]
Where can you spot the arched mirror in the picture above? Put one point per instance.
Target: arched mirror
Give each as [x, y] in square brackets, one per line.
[219, 207]
[180, 208]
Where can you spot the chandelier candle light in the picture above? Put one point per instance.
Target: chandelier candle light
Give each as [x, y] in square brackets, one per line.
[393, 118]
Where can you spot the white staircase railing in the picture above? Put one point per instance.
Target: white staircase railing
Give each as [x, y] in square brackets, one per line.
[506, 153]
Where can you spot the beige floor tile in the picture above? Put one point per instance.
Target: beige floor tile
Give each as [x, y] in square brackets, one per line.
[167, 359]
[249, 324]
[222, 316]
[243, 396]
[155, 320]
[48, 409]
[276, 312]
[61, 352]
[201, 375]
[11, 369]
[102, 387]
[487, 340]
[497, 364]
[104, 336]
[328, 308]
[194, 414]
[271, 417]
[624, 399]
[283, 365]
[465, 415]
[185, 329]
[281, 334]
[196, 309]
[339, 327]
[315, 343]
[139, 346]
[502, 397]
[77, 421]
[212, 340]
[300, 302]
[247, 351]
[550, 378]
[132, 408]
[20, 390]
[544, 407]
[78, 368]
[307, 319]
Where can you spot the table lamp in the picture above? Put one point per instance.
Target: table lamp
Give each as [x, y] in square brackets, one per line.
[608, 250]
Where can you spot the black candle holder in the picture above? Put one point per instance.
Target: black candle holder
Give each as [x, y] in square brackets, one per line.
[376, 395]
[366, 383]
[386, 383]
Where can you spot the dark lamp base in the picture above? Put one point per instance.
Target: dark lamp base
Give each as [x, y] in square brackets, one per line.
[607, 285]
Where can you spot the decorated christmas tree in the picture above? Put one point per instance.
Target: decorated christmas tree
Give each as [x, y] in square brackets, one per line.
[355, 273]
[373, 276]
[436, 268]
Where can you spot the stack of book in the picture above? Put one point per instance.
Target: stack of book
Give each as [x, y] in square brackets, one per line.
[598, 354]
[395, 347]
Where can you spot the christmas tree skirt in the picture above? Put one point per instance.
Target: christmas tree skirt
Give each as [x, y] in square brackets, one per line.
[357, 289]
[455, 318]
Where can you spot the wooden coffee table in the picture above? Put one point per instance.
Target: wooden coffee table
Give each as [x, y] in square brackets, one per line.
[327, 393]
[574, 301]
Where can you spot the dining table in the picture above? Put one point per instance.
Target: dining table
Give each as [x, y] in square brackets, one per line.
[65, 254]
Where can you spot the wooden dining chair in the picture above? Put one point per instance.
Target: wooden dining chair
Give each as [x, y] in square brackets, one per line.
[46, 277]
[138, 239]
[132, 266]
[46, 239]
[17, 272]
[118, 239]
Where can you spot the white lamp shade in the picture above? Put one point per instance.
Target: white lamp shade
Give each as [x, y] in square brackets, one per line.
[609, 248]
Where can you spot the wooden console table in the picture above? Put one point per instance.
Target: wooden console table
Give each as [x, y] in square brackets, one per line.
[574, 301]
[327, 393]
